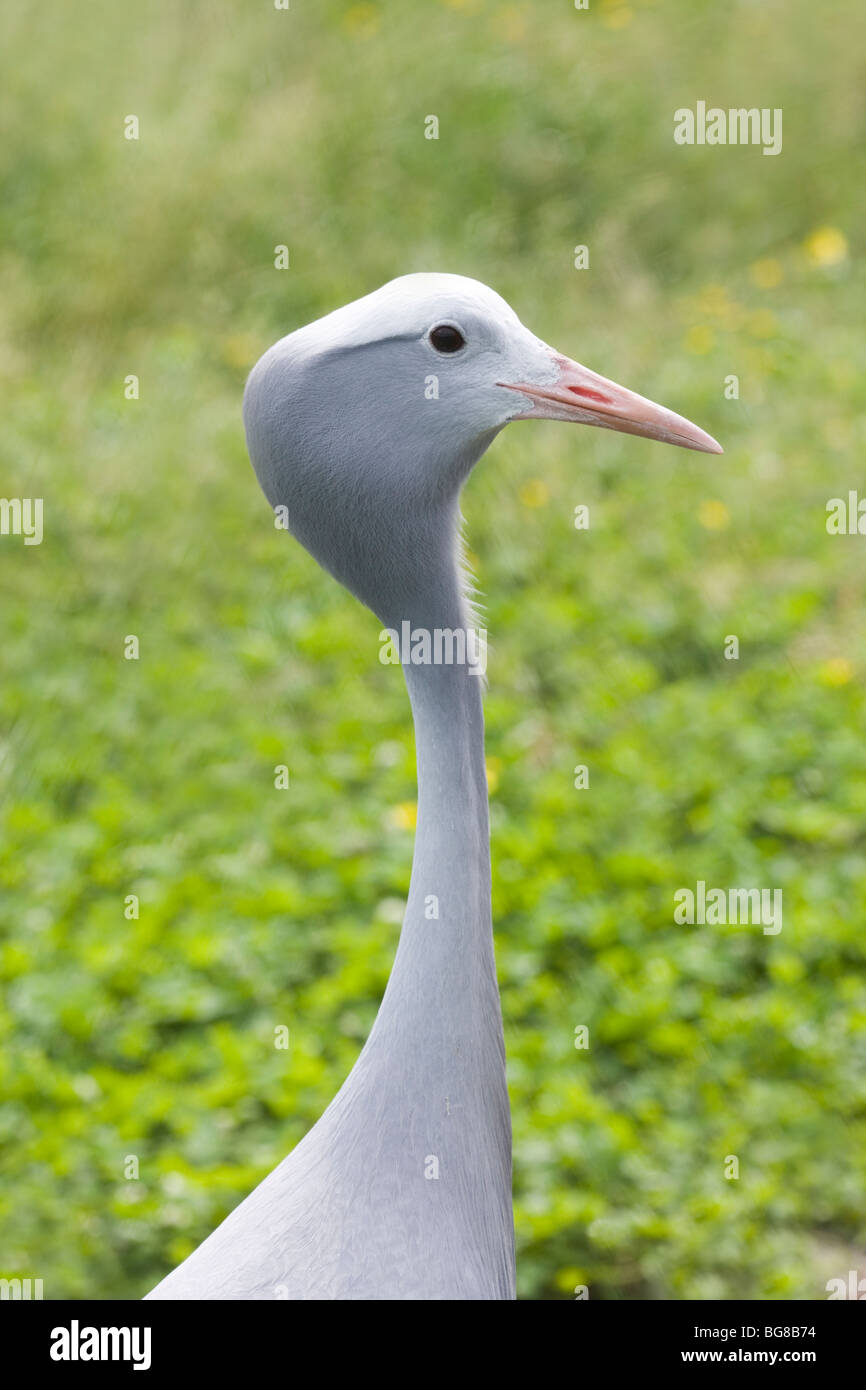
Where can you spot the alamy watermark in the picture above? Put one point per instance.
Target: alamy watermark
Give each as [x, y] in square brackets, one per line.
[22, 516]
[439, 646]
[847, 516]
[722, 907]
[20, 1288]
[737, 126]
[852, 1287]
[77, 1343]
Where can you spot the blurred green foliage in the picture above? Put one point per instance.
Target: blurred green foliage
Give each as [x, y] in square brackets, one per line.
[154, 1037]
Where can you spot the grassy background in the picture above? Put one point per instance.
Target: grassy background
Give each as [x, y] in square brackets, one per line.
[154, 1037]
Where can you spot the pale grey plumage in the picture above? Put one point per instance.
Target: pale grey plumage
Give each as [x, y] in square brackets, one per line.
[366, 434]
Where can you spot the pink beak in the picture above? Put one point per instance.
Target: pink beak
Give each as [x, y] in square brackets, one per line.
[586, 398]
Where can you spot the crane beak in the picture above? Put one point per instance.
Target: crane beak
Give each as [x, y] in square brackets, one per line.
[585, 398]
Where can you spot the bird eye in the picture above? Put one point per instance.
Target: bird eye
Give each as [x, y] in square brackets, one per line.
[446, 338]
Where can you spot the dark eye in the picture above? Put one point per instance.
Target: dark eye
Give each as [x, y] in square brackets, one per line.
[445, 338]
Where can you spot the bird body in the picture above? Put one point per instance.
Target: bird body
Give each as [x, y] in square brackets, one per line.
[365, 425]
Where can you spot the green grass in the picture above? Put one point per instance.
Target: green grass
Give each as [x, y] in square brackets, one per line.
[154, 1037]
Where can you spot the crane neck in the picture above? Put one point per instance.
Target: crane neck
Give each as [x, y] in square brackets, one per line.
[443, 983]
[447, 938]
[433, 1067]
